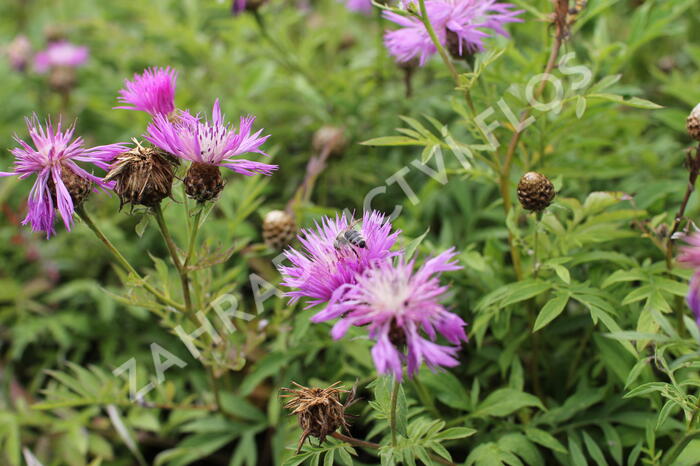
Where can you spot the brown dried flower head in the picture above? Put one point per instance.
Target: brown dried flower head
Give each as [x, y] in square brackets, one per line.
[279, 228]
[319, 410]
[693, 123]
[535, 191]
[143, 176]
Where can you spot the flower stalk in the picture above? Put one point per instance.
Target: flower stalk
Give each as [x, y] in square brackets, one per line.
[123, 261]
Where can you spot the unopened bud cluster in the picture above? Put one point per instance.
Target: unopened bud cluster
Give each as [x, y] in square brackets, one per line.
[279, 229]
[535, 191]
[693, 123]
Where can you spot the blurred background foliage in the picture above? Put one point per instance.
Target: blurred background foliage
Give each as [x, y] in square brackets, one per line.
[62, 331]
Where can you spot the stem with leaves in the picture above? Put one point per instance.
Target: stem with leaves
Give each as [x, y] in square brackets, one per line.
[82, 213]
[375, 446]
[172, 248]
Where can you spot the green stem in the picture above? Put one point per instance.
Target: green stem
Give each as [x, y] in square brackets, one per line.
[193, 238]
[123, 261]
[441, 50]
[172, 248]
[392, 414]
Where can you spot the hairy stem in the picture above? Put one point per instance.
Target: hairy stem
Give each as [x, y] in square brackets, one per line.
[392, 414]
[123, 261]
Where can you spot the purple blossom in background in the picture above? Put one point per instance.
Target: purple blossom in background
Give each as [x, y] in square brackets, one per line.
[212, 142]
[398, 304]
[690, 255]
[152, 92]
[465, 23]
[363, 6]
[322, 273]
[53, 159]
[19, 52]
[238, 7]
[61, 53]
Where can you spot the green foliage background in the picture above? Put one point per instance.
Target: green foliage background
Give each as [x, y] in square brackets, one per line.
[609, 377]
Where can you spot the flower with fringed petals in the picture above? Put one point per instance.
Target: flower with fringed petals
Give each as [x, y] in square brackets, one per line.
[690, 256]
[460, 25]
[324, 273]
[61, 54]
[60, 183]
[209, 145]
[400, 303]
[152, 91]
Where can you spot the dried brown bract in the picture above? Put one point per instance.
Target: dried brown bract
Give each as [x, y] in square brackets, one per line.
[143, 176]
[279, 228]
[319, 410]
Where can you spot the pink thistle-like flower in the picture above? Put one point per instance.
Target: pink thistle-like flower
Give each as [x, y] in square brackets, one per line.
[152, 92]
[399, 303]
[460, 25]
[62, 53]
[19, 52]
[323, 272]
[690, 255]
[363, 6]
[212, 142]
[60, 184]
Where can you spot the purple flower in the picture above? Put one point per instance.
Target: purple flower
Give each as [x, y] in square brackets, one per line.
[459, 24]
[363, 6]
[323, 273]
[19, 52]
[212, 142]
[60, 182]
[61, 53]
[690, 255]
[238, 7]
[152, 92]
[399, 303]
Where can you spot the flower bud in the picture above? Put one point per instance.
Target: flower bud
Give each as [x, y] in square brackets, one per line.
[143, 176]
[535, 191]
[203, 182]
[279, 228]
[62, 78]
[331, 138]
[693, 123]
[19, 52]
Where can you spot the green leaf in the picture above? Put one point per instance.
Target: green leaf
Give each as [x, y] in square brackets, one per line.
[505, 401]
[594, 450]
[545, 439]
[392, 141]
[551, 310]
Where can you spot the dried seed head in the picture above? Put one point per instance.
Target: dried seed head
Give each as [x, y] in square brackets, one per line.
[78, 187]
[203, 181]
[319, 411]
[143, 176]
[62, 78]
[279, 228]
[535, 191]
[330, 138]
[693, 123]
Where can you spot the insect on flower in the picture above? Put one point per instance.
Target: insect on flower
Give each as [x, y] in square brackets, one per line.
[350, 237]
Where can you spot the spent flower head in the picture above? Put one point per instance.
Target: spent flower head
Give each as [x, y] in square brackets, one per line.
[460, 25]
[60, 183]
[322, 272]
[152, 92]
[399, 304]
